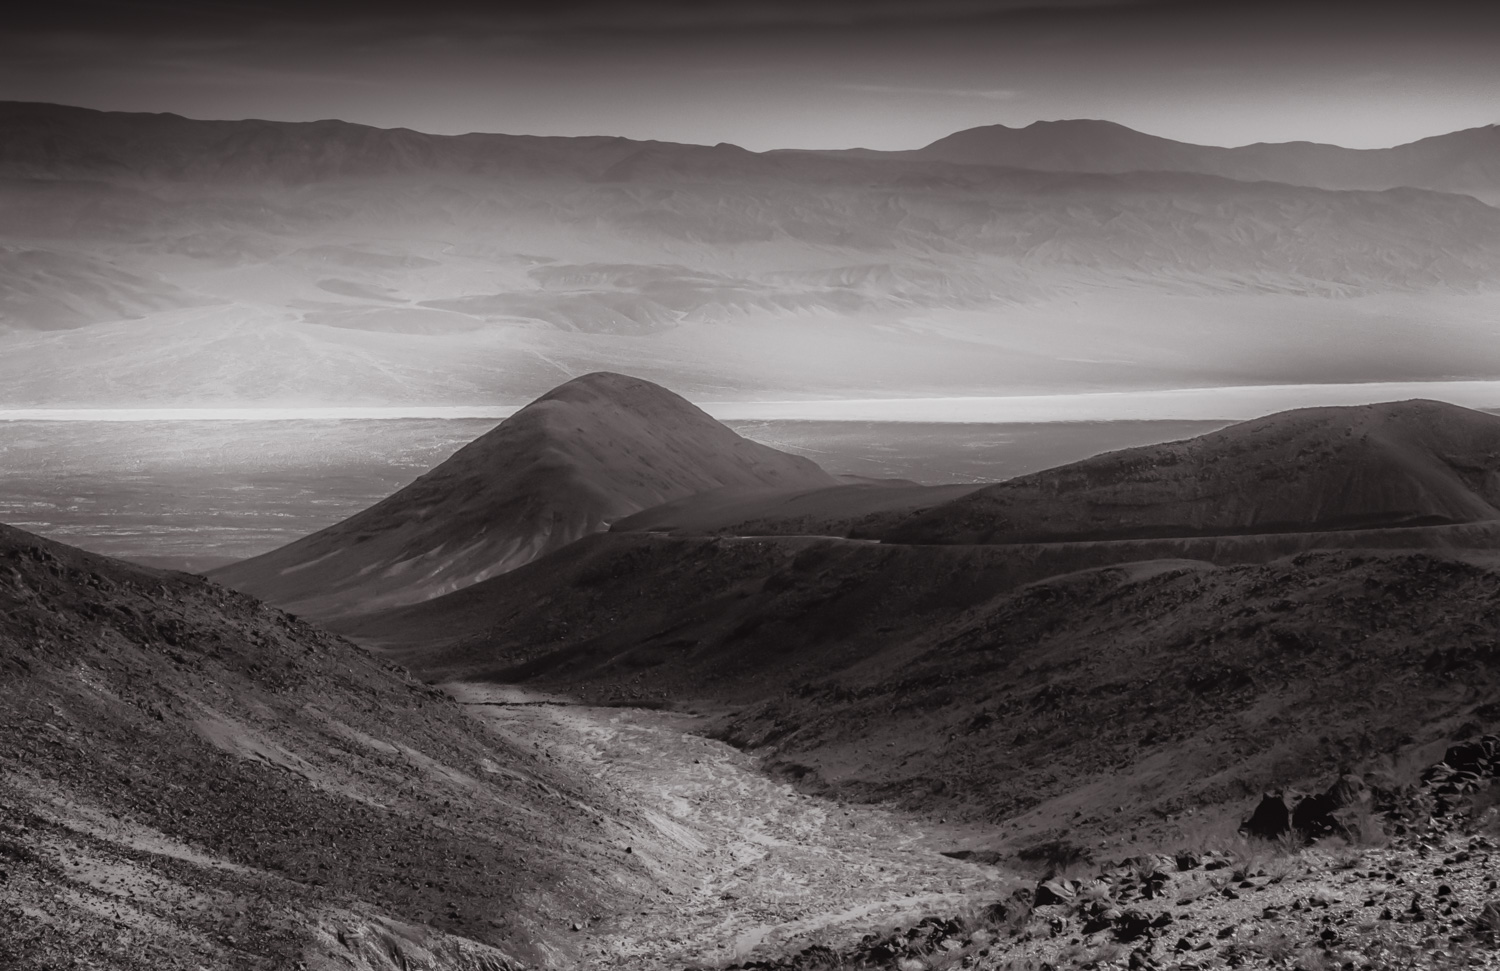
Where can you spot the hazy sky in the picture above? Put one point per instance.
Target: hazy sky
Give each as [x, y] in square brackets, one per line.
[781, 73]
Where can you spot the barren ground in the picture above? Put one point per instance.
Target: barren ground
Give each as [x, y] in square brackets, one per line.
[752, 866]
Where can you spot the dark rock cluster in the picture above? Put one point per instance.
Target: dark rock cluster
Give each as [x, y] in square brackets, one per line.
[928, 937]
[1311, 816]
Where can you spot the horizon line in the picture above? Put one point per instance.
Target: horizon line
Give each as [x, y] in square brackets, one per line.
[1228, 403]
[765, 151]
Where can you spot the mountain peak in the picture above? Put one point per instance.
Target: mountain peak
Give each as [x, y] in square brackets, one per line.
[1079, 123]
[606, 384]
[595, 449]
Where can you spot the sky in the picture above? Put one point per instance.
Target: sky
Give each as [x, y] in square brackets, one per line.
[887, 74]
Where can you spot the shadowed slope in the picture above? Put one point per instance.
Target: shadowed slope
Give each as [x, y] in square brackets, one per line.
[939, 677]
[832, 511]
[595, 449]
[1238, 641]
[189, 778]
[1402, 475]
[1396, 464]
[1108, 701]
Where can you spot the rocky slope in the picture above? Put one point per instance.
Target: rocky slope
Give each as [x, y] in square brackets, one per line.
[1405, 463]
[1213, 601]
[593, 450]
[1412, 885]
[191, 778]
[938, 677]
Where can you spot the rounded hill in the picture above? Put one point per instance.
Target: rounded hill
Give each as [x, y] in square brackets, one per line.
[596, 449]
[1406, 463]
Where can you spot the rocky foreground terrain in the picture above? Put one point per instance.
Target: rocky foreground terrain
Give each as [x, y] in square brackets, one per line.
[1400, 878]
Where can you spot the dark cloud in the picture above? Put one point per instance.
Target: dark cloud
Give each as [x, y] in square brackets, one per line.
[91, 15]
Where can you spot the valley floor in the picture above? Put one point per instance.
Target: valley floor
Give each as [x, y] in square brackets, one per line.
[750, 866]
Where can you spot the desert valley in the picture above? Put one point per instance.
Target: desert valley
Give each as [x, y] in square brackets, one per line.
[613, 686]
[1052, 546]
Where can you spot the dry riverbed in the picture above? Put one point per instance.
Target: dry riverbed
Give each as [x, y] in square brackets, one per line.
[746, 864]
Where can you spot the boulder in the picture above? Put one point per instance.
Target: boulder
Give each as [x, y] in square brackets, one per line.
[1313, 816]
[1055, 892]
[1131, 925]
[1477, 756]
[1272, 817]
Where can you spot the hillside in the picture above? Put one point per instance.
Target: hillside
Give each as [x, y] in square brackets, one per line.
[1281, 598]
[192, 778]
[820, 566]
[1407, 463]
[831, 511]
[969, 681]
[591, 451]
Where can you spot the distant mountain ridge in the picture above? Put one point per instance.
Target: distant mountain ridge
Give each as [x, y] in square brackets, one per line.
[238, 263]
[592, 450]
[1465, 161]
[58, 141]
[51, 141]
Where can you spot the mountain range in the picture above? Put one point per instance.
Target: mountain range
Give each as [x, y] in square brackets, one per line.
[1466, 162]
[58, 142]
[261, 262]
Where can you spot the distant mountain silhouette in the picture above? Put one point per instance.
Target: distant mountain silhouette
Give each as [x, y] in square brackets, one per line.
[1405, 463]
[593, 450]
[1463, 161]
[335, 263]
[53, 141]
[59, 141]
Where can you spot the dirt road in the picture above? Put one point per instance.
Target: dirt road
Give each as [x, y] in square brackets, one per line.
[744, 864]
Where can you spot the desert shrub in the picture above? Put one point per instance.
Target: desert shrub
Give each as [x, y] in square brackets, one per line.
[1364, 827]
[1337, 854]
[1276, 947]
[1278, 868]
[1289, 843]
[1106, 953]
[1484, 810]
[1486, 925]
[981, 920]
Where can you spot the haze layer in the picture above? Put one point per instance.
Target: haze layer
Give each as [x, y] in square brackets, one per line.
[153, 260]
